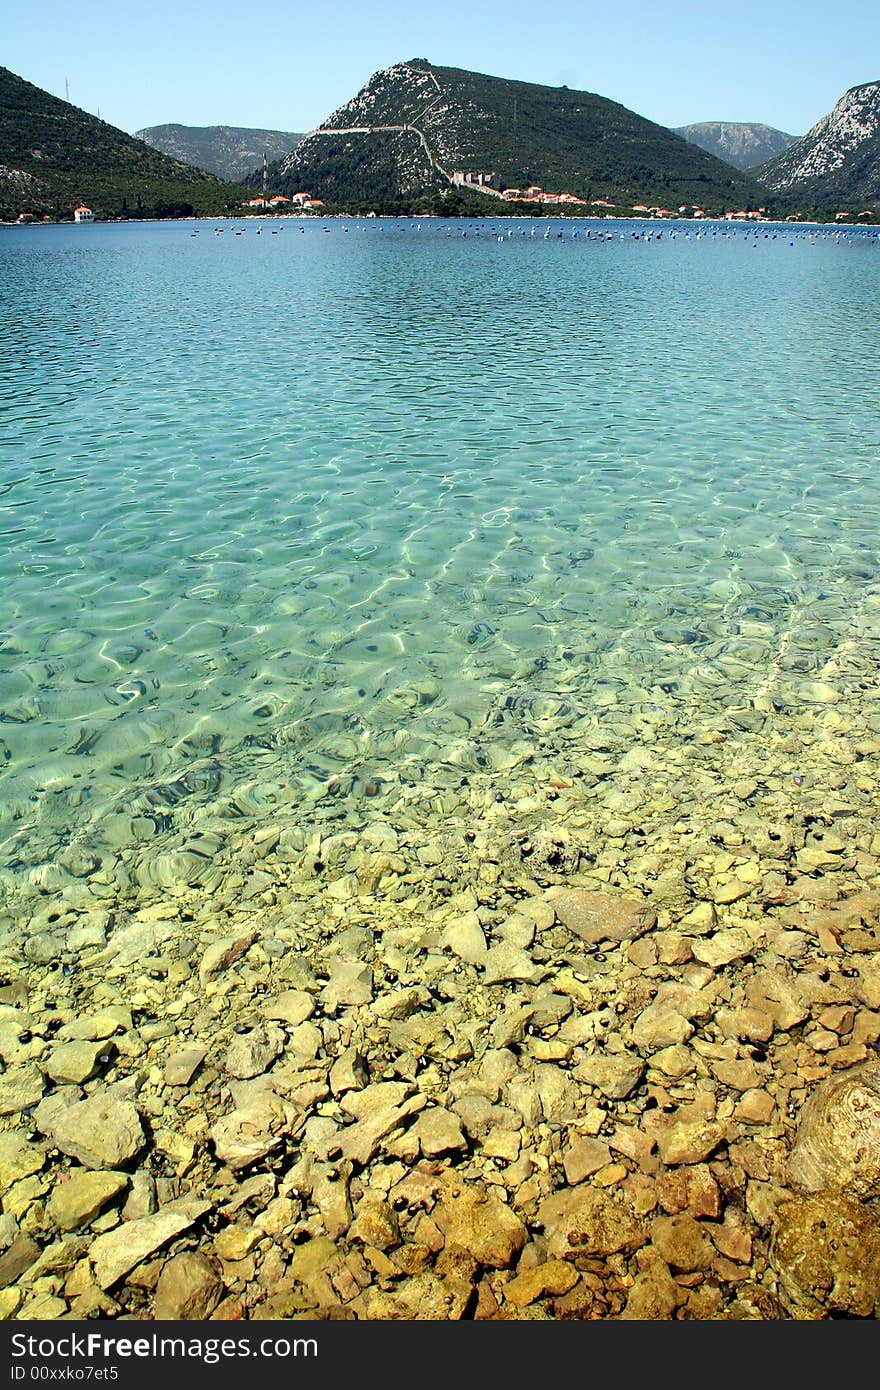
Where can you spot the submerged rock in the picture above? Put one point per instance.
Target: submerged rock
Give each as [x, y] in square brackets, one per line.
[480, 1226]
[438, 1132]
[506, 962]
[250, 1054]
[18, 1159]
[256, 1127]
[292, 1006]
[14, 1262]
[838, 1139]
[101, 1132]
[20, 1088]
[586, 1223]
[363, 1140]
[114, 1254]
[424, 1298]
[181, 1067]
[826, 1252]
[189, 1288]
[223, 953]
[682, 1242]
[551, 1277]
[654, 1295]
[72, 1063]
[597, 917]
[689, 1141]
[616, 1075]
[78, 1201]
[466, 939]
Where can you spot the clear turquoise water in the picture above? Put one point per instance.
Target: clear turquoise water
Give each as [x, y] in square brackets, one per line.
[329, 523]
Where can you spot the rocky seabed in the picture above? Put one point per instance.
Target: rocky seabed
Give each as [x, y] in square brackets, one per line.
[586, 1033]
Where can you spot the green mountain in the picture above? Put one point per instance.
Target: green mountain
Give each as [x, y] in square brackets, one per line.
[415, 130]
[740, 143]
[53, 156]
[229, 151]
[837, 163]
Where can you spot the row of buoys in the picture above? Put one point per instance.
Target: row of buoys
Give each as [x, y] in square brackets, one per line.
[755, 233]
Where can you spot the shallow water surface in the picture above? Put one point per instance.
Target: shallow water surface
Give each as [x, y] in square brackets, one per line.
[335, 521]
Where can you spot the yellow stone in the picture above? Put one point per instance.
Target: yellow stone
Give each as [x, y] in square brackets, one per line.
[610, 1175]
[10, 1302]
[236, 1242]
[552, 1277]
[645, 1201]
[502, 1143]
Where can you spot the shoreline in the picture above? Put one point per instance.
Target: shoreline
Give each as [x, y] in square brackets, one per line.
[439, 217]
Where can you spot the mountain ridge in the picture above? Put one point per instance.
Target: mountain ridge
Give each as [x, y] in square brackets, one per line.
[744, 144]
[229, 152]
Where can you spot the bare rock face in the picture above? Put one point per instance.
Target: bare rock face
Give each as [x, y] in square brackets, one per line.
[826, 1251]
[834, 148]
[597, 917]
[838, 1139]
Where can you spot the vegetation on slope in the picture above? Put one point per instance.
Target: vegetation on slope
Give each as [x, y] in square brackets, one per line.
[563, 140]
[53, 156]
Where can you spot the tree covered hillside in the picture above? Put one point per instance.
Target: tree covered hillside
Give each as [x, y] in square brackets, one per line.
[54, 156]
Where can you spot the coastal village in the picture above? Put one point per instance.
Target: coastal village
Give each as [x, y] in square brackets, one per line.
[302, 203]
[483, 182]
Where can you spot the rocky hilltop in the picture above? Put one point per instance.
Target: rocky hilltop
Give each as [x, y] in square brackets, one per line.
[744, 144]
[839, 159]
[231, 152]
[416, 129]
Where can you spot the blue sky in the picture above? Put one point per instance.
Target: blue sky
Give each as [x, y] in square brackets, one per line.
[286, 64]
